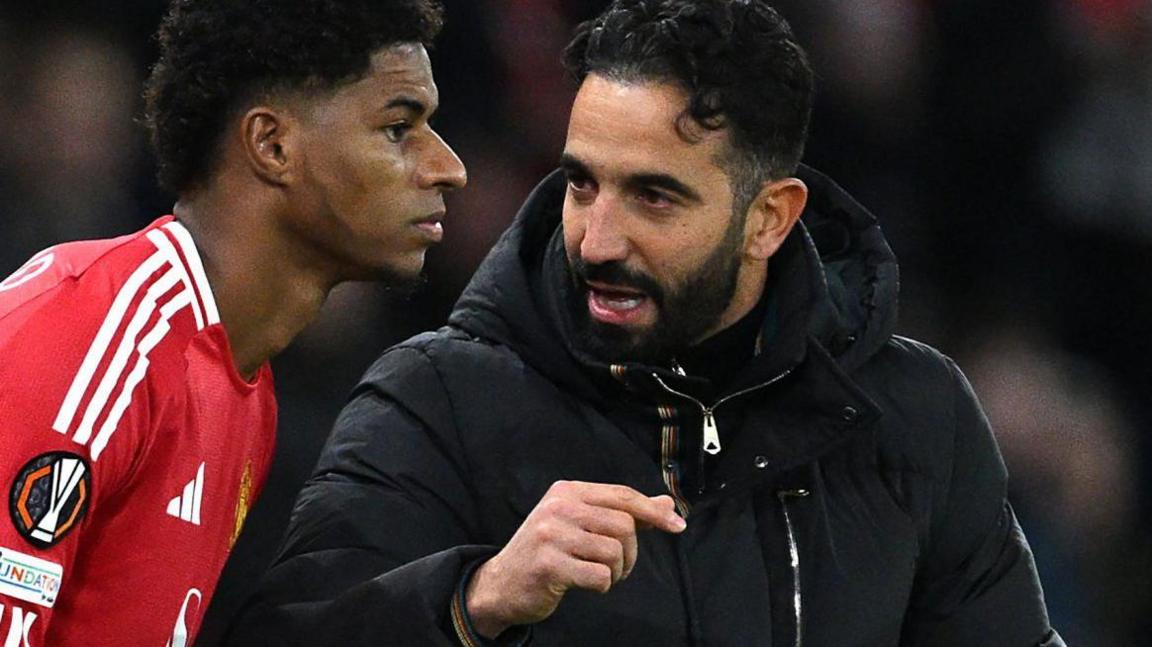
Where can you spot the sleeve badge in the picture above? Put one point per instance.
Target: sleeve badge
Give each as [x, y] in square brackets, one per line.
[49, 497]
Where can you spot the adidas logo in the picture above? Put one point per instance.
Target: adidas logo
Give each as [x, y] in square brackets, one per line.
[186, 505]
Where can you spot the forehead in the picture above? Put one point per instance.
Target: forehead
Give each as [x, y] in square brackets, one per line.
[395, 70]
[622, 126]
[403, 67]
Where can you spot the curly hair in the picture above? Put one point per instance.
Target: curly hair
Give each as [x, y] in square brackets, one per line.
[217, 54]
[737, 59]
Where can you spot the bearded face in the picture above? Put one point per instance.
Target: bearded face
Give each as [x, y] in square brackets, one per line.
[685, 308]
[655, 246]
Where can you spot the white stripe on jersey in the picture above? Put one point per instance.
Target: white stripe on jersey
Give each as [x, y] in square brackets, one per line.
[120, 360]
[164, 244]
[188, 274]
[103, 339]
[150, 341]
[192, 256]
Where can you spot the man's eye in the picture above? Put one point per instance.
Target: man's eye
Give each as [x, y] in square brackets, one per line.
[654, 198]
[396, 132]
[580, 184]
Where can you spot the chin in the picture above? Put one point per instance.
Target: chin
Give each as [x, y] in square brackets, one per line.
[405, 277]
[612, 343]
[393, 272]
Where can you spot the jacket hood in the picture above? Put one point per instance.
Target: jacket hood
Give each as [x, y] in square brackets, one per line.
[836, 277]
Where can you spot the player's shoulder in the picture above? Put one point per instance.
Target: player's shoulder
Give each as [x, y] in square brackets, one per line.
[89, 318]
[99, 332]
[72, 283]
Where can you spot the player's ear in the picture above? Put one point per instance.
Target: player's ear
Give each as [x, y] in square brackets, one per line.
[267, 143]
[772, 215]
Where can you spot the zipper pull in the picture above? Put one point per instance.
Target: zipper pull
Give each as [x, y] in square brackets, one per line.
[711, 434]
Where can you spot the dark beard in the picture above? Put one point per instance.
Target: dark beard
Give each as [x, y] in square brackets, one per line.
[684, 312]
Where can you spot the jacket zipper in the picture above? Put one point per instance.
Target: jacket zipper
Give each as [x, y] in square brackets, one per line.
[794, 555]
[711, 431]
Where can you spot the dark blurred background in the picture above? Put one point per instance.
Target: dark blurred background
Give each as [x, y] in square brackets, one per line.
[1005, 146]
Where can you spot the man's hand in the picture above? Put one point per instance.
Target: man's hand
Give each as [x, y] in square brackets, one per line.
[580, 535]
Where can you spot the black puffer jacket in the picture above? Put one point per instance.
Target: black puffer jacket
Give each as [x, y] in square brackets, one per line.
[858, 498]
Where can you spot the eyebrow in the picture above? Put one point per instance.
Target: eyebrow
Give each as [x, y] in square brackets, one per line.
[573, 165]
[645, 180]
[663, 181]
[413, 104]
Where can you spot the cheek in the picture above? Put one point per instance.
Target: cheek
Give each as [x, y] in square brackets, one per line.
[377, 167]
[361, 162]
[336, 175]
[677, 255]
[369, 191]
[573, 230]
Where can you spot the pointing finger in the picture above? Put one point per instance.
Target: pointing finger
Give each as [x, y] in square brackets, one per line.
[654, 511]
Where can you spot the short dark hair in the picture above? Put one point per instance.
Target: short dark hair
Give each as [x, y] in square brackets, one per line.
[216, 54]
[737, 59]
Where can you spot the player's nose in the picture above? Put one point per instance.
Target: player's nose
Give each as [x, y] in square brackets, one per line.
[442, 168]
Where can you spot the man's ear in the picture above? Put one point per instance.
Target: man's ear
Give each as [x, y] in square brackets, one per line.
[772, 215]
[268, 143]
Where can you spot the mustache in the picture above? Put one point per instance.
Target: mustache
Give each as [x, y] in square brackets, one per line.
[616, 273]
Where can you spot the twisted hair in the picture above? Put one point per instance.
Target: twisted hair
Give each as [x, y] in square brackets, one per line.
[738, 61]
[217, 54]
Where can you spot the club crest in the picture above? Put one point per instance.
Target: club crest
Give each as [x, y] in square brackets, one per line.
[243, 502]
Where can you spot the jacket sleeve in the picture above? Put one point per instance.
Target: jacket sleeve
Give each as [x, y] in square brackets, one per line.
[383, 534]
[976, 581]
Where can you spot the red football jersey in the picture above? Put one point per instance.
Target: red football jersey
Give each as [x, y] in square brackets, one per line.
[130, 446]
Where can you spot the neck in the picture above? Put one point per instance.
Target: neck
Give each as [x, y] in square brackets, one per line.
[265, 298]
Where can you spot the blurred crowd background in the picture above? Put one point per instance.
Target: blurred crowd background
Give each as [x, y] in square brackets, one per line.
[1006, 148]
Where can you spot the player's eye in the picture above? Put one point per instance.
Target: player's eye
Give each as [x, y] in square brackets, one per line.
[396, 132]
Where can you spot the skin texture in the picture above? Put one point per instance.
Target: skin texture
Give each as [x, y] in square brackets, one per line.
[623, 148]
[313, 188]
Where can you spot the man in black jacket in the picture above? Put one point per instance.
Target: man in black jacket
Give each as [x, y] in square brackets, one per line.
[665, 412]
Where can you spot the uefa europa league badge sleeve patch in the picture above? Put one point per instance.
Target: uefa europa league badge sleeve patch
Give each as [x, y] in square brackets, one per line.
[49, 497]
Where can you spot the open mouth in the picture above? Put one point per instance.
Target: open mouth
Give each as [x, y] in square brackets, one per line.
[617, 305]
